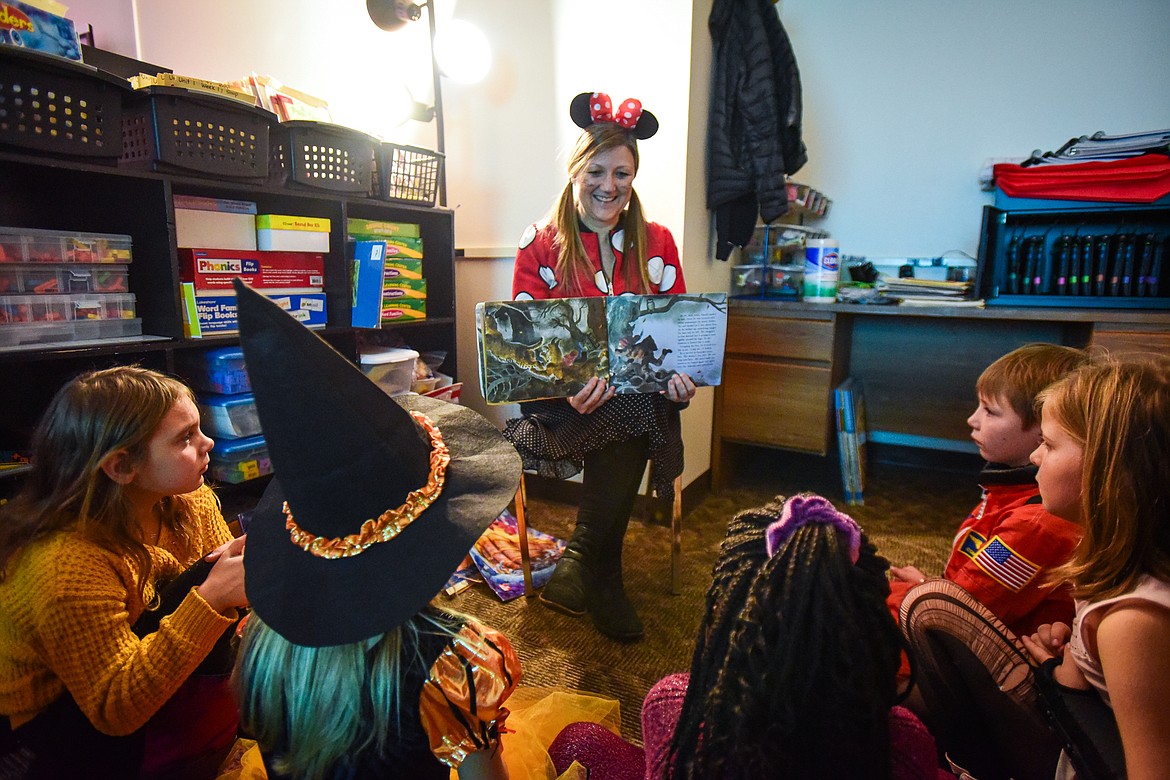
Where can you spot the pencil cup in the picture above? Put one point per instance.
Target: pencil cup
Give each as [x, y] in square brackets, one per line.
[821, 269]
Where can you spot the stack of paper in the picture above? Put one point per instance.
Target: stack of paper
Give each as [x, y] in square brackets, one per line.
[913, 291]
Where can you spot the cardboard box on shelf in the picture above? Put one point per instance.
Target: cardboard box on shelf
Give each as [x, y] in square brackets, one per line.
[289, 222]
[403, 246]
[402, 309]
[214, 269]
[30, 26]
[292, 233]
[376, 228]
[403, 267]
[215, 312]
[415, 289]
[223, 223]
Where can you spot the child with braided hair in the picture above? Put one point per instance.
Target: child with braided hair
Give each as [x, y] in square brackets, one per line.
[794, 666]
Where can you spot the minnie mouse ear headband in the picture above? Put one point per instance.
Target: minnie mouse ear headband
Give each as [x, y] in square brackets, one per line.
[375, 500]
[591, 107]
[807, 508]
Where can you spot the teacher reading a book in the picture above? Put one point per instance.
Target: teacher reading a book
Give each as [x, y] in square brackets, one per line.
[596, 241]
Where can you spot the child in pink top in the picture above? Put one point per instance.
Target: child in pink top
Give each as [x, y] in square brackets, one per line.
[1103, 464]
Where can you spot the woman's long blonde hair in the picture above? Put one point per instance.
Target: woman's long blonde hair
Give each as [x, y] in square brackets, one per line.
[573, 265]
[1119, 413]
[94, 415]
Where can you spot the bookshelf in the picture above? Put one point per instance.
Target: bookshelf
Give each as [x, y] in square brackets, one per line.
[58, 194]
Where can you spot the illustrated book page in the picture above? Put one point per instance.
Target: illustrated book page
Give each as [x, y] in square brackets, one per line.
[550, 348]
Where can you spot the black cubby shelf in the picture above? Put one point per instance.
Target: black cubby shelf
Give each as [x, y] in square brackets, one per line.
[53, 193]
[1097, 256]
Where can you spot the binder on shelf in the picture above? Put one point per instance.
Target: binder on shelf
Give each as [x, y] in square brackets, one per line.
[849, 403]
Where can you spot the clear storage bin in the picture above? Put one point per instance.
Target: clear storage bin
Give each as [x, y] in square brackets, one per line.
[30, 245]
[391, 368]
[748, 279]
[66, 308]
[51, 278]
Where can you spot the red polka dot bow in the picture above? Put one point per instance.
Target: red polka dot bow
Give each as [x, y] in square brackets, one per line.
[601, 110]
[591, 107]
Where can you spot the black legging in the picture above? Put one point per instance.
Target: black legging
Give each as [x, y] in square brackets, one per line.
[609, 488]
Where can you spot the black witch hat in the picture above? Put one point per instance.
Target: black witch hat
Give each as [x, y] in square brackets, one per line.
[375, 500]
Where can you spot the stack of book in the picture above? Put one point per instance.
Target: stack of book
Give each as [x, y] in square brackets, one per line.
[912, 291]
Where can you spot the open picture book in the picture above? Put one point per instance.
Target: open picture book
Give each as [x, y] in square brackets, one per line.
[532, 349]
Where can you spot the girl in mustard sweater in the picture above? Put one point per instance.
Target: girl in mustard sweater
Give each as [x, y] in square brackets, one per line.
[114, 507]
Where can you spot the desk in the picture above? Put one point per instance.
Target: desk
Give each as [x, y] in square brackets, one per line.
[917, 366]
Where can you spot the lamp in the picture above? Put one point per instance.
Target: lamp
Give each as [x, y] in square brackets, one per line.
[391, 15]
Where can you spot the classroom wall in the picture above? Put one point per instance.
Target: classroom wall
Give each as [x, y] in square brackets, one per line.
[905, 99]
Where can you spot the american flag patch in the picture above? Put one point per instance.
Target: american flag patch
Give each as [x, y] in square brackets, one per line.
[1005, 565]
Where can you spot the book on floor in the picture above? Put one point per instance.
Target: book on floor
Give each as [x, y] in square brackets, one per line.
[849, 403]
[497, 556]
[532, 349]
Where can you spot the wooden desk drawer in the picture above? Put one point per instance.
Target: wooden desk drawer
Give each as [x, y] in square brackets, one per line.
[780, 337]
[776, 405]
[1132, 340]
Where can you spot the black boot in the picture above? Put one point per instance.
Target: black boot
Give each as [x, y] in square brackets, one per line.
[589, 576]
[567, 588]
[610, 608]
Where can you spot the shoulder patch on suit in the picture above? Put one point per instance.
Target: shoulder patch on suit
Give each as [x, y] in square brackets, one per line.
[971, 543]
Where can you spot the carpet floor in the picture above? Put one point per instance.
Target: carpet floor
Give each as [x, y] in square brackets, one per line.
[911, 512]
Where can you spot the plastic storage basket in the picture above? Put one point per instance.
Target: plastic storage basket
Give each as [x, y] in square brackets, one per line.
[177, 131]
[59, 107]
[408, 173]
[322, 156]
[218, 370]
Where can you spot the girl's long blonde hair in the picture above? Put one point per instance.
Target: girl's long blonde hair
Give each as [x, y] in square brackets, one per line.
[94, 415]
[1119, 412]
[573, 264]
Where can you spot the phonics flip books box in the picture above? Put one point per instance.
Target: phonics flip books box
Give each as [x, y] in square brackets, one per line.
[214, 269]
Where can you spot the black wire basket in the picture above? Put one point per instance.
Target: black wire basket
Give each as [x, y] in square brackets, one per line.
[180, 131]
[59, 107]
[408, 174]
[322, 156]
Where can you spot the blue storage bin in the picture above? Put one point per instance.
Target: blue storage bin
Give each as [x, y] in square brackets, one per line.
[240, 460]
[229, 416]
[216, 371]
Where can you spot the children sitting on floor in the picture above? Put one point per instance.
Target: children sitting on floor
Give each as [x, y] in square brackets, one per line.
[794, 669]
[1009, 543]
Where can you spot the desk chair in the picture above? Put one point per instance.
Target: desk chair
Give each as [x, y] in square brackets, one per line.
[675, 536]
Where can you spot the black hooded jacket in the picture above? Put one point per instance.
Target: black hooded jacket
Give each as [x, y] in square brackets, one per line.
[753, 133]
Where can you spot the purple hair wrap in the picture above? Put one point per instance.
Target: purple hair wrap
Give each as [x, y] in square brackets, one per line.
[810, 508]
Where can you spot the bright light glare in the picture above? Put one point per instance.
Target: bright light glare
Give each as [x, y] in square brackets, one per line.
[462, 51]
[393, 107]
